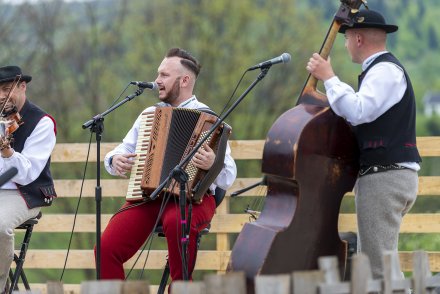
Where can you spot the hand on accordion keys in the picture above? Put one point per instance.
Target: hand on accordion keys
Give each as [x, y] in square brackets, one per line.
[122, 163]
[204, 157]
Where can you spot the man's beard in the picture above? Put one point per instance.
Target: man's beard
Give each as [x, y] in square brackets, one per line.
[174, 93]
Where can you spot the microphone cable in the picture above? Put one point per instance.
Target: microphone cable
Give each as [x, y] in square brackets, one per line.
[77, 207]
[233, 92]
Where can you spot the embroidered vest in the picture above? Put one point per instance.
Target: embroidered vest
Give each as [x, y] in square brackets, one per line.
[41, 191]
[391, 138]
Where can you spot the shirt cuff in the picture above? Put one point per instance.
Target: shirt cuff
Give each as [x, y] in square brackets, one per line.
[328, 84]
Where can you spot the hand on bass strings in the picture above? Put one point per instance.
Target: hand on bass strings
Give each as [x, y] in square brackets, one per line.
[320, 68]
[122, 163]
[204, 158]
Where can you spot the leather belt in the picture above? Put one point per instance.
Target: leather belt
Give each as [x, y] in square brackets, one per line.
[372, 169]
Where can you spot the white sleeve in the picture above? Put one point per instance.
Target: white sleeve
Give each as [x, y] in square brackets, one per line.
[36, 151]
[227, 175]
[128, 145]
[383, 86]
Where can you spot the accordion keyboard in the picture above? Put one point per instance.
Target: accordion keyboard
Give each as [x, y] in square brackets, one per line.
[134, 192]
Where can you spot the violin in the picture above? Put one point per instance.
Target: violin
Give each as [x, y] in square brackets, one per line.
[10, 119]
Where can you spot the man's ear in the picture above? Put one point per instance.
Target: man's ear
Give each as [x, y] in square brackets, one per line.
[185, 81]
[359, 39]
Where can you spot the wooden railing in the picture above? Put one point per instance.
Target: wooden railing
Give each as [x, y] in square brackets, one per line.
[223, 224]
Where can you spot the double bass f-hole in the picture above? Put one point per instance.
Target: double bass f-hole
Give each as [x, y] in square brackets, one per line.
[10, 119]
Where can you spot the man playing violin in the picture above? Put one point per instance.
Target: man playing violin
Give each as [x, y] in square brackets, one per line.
[382, 113]
[27, 142]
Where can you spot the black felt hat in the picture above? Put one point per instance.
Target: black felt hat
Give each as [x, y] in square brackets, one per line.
[10, 72]
[369, 19]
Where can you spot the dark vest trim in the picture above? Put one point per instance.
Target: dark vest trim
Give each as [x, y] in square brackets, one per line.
[40, 192]
[391, 138]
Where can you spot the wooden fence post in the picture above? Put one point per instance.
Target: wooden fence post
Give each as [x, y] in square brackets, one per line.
[135, 287]
[361, 277]
[185, 287]
[229, 283]
[394, 281]
[274, 284]
[304, 282]
[331, 276]
[101, 287]
[54, 287]
[114, 287]
[421, 272]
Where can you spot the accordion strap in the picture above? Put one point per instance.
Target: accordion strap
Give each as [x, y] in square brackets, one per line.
[218, 164]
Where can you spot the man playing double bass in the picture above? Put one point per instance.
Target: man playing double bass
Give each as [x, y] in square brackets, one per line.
[382, 114]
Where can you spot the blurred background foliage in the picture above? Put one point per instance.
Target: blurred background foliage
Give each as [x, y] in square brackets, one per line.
[82, 55]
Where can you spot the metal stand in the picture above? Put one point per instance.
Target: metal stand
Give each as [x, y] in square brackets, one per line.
[96, 125]
[185, 222]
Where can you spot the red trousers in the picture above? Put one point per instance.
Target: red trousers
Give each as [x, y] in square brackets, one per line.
[128, 230]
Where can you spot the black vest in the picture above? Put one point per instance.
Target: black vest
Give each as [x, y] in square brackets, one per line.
[391, 138]
[41, 191]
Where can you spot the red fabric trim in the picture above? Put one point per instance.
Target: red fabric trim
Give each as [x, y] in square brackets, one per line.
[54, 122]
[27, 204]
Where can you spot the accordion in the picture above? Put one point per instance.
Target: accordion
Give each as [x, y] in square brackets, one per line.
[166, 136]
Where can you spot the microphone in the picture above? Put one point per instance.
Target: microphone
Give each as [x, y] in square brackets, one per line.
[7, 175]
[283, 58]
[145, 85]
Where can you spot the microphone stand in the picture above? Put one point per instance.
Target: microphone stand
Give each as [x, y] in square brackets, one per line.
[96, 125]
[179, 174]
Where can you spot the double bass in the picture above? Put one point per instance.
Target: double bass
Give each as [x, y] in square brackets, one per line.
[310, 160]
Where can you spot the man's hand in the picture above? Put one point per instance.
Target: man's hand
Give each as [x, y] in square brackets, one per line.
[204, 158]
[5, 147]
[122, 163]
[320, 68]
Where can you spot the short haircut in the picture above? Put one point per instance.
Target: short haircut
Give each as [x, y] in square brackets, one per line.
[187, 60]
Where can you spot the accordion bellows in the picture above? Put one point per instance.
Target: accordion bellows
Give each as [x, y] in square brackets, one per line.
[166, 136]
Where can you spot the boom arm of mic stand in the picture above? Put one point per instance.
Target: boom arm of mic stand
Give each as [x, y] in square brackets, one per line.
[262, 74]
[238, 192]
[89, 124]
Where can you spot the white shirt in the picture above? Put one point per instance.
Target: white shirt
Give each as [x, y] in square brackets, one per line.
[224, 180]
[382, 87]
[36, 151]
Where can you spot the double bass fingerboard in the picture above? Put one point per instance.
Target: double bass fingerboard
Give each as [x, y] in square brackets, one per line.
[134, 192]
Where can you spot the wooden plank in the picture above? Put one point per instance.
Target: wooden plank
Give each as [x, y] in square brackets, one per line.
[57, 223]
[231, 223]
[77, 152]
[412, 223]
[428, 185]
[84, 259]
[429, 146]
[69, 288]
[118, 187]
[241, 149]
[206, 260]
